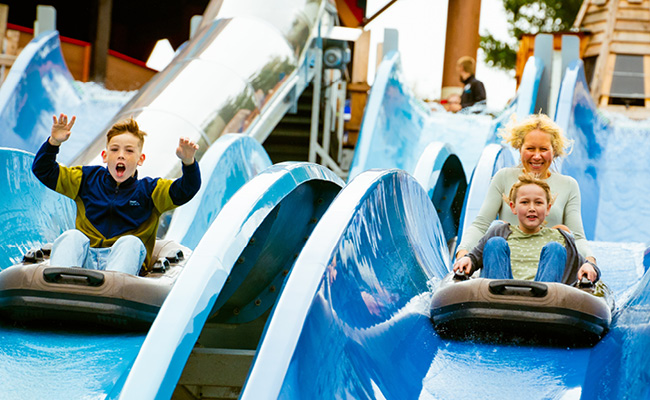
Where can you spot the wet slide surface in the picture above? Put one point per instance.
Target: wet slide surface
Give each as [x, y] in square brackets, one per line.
[64, 361]
[365, 281]
[623, 169]
[63, 364]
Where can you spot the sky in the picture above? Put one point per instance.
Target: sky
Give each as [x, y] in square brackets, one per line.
[421, 26]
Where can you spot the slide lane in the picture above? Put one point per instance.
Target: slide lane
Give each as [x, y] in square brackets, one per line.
[56, 362]
[49, 362]
[361, 289]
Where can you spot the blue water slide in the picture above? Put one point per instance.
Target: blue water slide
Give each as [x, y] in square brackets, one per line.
[90, 362]
[232, 274]
[239, 74]
[352, 320]
[38, 86]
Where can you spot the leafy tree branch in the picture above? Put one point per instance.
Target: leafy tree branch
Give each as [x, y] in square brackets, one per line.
[528, 16]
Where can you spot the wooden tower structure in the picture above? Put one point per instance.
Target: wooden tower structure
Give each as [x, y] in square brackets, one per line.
[617, 54]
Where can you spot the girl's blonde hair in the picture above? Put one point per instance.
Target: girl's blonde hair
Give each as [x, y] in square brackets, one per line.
[515, 133]
[529, 179]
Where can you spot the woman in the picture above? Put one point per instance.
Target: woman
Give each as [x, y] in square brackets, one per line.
[539, 141]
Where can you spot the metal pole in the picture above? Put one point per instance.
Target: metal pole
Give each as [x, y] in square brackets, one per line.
[315, 104]
[101, 40]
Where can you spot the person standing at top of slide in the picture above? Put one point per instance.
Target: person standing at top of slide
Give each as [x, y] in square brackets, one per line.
[474, 91]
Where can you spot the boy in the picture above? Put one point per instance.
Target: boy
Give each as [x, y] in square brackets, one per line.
[117, 213]
[537, 252]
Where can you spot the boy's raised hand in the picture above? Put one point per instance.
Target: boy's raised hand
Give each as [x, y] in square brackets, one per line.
[61, 129]
[186, 150]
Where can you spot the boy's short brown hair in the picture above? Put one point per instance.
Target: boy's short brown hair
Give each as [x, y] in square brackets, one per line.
[126, 126]
[468, 64]
[529, 179]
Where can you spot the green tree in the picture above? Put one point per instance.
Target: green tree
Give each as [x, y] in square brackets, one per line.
[528, 16]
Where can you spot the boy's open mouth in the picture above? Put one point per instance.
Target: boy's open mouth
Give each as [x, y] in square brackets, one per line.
[120, 169]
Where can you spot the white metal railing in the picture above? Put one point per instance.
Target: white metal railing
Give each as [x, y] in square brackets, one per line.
[333, 86]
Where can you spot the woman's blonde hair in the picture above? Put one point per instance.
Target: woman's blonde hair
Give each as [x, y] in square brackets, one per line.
[515, 132]
[529, 179]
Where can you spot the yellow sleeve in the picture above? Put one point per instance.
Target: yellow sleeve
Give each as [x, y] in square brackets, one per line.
[69, 181]
[160, 196]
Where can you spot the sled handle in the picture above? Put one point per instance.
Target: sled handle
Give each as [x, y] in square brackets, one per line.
[90, 277]
[518, 288]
